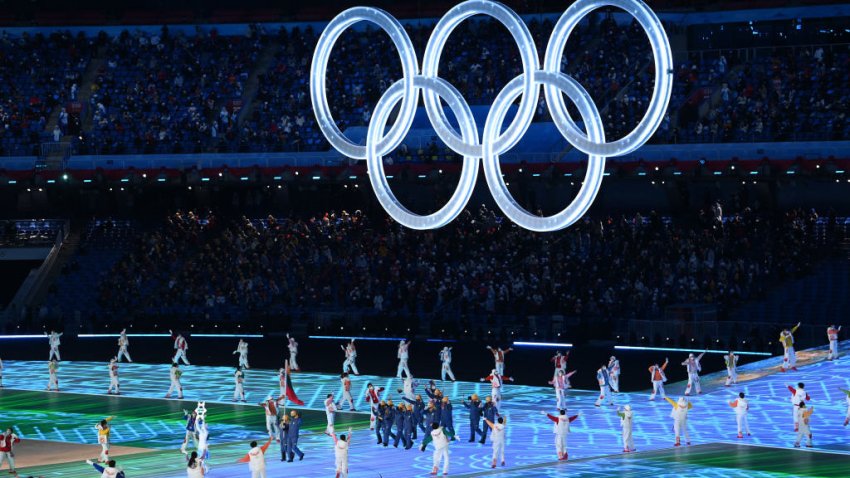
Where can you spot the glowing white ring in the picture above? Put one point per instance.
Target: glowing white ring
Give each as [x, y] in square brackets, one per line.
[527, 53]
[375, 163]
[595, 164]
[494, 143]
[319, 73]
[663, 77]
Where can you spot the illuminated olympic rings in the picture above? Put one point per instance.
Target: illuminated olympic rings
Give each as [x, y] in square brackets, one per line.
[495, 139]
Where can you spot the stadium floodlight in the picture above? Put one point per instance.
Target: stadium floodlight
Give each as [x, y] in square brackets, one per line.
[541, 344]
[350, 337]
[495, 139]
[686, 350]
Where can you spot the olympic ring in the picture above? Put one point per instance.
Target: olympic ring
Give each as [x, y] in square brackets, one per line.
[494, 142]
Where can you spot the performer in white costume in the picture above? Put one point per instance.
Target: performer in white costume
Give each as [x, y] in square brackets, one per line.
[497, 438]
[614, 374]
[496, 383]
[54, 341]
[330, 413]
[560, 361]
[272, 421]
[242, 350]
[731, 368]
[53, 375]
[499, 358]
[403, 355]
[441, 438]
[123, 345]
[238, 385]
[742, 408]
[346, 392]
[626, 418]
[798, 395]
[832, 334]
[693, 367]
[408, 387]
[560, 385]
[561, 430]
[113, 378]
[680, 419]
[350, 364]
[103, 438]
[174, 375]
[293, 354]
[341, 446]
[373, 398]
[200, 424]
[180, 347]
[804, 431]
[446, 360]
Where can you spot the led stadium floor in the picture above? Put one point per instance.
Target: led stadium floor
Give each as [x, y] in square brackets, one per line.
[714, 460]
[144, 419]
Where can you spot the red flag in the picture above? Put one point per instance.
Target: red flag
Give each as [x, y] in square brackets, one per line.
[289, 392]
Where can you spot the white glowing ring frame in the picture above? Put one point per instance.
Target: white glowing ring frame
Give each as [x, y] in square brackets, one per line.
[494, 142]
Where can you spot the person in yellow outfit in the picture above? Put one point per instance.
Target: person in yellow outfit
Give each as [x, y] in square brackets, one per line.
[103, 430]
[786, 338]
[680, 419]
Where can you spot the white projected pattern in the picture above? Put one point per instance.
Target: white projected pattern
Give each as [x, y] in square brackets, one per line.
[493, 143]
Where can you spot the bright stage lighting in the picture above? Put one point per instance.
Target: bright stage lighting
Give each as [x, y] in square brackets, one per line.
[541, 344]
[208, 336]
[340, 337]
[695, 351]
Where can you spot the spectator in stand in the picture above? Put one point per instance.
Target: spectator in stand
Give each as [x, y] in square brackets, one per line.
[198, 265]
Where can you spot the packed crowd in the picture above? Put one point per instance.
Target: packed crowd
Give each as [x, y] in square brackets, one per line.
[170, 92]
[787, 95]
[479, 59]
[167, 92]
[38, 74]
[202, 265]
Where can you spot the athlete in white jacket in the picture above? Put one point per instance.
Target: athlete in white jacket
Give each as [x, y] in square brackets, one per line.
[446, 361]
[742, 408]
[626, 418]
[403, 355]
[293, 353]
[341, 447]
[113, 378]
[614, 374]
[441, 438]
[561, 430]
[680, 419]
[693, 367]
[242, 350]
[123, 345]
[731, 368]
